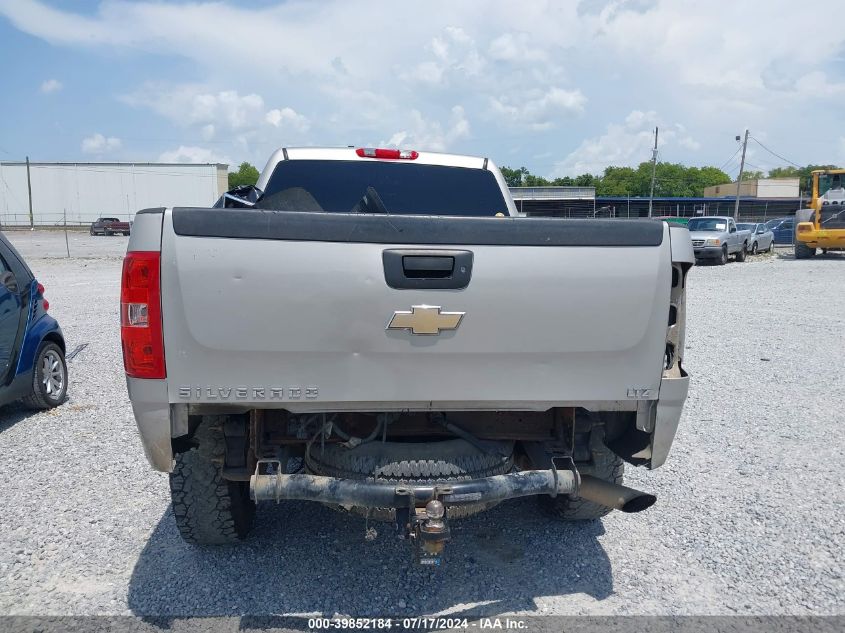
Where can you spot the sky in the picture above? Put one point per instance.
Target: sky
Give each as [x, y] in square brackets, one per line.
[561, 87]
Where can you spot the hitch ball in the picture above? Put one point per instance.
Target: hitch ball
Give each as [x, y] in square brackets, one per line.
[435, 510]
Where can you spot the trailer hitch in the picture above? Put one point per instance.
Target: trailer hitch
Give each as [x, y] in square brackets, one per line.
[426, 527]
[422, 509]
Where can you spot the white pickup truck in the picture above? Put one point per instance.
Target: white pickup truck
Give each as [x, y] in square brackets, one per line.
[375, 330]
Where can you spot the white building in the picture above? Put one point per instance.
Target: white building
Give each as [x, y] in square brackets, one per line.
[761, 188]
[86, 191]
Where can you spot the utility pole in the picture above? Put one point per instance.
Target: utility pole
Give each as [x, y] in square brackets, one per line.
[29, 190]
[741, 169]
[653, 173]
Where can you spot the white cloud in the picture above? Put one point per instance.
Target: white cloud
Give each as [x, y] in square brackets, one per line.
[699, 60]
[99, 144]
[456, 56]
[541, 111]
[817, 84]
[288, 119]
[431, 135]
[426, 73]
[51, 85]
[516, 47]
[626, 144]
[190, 104]
[191, 154]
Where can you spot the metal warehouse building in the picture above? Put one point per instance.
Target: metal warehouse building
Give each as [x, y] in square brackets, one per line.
[86, 191]
[579, 202]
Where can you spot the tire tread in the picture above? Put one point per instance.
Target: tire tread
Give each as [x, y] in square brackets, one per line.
[208, 509]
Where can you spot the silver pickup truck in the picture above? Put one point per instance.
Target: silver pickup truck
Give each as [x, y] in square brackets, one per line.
[377, 331]
[716, 238]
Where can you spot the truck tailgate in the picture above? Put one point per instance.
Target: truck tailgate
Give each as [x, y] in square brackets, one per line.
[291, 309]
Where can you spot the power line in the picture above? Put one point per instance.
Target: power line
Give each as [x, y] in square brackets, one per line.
[776, 154]
[730, 159]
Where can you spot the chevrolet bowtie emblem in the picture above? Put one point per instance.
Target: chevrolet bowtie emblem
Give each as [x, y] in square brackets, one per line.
[425, 320]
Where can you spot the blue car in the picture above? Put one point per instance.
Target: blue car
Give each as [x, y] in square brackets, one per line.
[32, 347]
[783, 228]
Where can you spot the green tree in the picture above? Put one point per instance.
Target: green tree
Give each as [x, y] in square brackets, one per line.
[530, 180]
[672, 180]
[246, 175]
[514, 176]
[752, 175]
[618, 181]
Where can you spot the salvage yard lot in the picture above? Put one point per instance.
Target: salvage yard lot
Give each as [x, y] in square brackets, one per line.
[749, 515]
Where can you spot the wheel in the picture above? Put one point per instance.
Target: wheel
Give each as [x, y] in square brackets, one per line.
[605, 465]
[92, 231]
[771, 247]
[741, 255]
[107, 232]
[49, 378]
[754, 248]
[208, 509]
[723, 259]
[802, 251]
[420, 462]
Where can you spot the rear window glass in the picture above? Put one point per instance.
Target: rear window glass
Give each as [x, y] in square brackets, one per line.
[402, 188]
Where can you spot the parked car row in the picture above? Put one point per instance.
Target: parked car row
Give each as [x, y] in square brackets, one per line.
[717, 238]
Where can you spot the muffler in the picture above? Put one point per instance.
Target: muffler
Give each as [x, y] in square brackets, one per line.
[613, 495]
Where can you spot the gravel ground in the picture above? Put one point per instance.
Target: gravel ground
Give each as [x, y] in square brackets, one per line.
[749, 518]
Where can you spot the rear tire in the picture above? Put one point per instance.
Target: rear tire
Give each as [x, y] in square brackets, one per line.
[49, 378]
[754, 248]
[410, 462]
[606, 466]
[208, 509]
[742, 254]
[802, 251]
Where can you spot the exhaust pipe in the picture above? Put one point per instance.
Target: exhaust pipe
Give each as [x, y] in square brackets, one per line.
[613, 495]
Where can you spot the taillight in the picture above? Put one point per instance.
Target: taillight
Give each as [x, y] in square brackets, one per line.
[44, 303]
[140, 315]
[396, 154]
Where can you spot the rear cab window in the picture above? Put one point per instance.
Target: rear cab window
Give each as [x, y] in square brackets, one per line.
[336, 186]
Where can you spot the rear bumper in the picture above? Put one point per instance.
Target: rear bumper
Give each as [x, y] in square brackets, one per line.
[152, 415]
[673, 394]
[381, 494]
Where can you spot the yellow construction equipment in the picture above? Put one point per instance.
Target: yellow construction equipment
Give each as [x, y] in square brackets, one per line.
[822, 225]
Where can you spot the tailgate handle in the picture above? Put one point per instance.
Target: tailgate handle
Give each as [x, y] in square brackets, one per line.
[427, 269]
